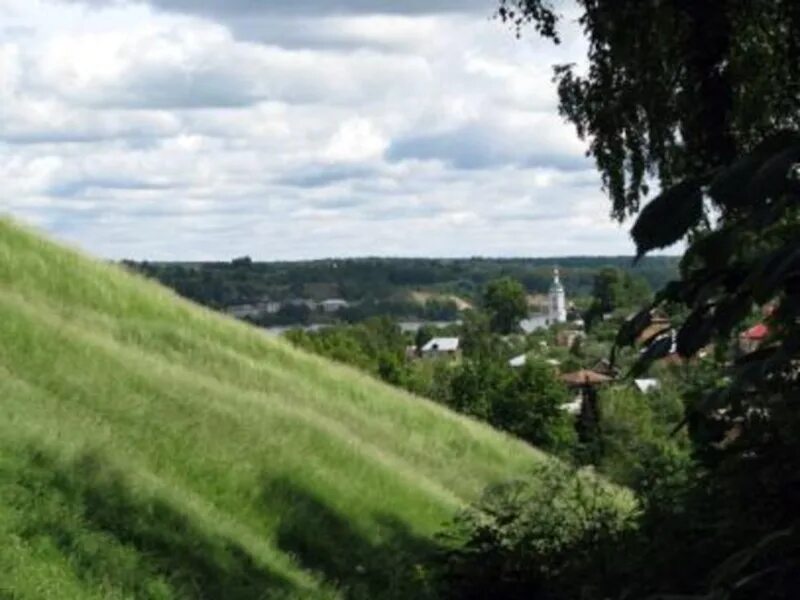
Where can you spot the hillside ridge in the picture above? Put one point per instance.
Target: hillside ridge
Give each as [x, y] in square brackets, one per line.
[152, 448]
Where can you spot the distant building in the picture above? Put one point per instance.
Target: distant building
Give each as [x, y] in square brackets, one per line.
[605, 367]
[533, 323]
[585, 378]
[441, 346]
[751, 339]
[333, 305]
[522, 360]
[242, 311]
[518, 361]
[253, 309]
[557, 305]
[271, 307]
[658, 325]
[567, 338]
[310, 304]
[414, 326]
[646, 385]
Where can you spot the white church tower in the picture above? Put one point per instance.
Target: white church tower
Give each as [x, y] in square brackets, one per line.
[557, 312]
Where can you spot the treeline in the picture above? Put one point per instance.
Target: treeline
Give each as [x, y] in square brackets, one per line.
[432, 309]
[221, 284]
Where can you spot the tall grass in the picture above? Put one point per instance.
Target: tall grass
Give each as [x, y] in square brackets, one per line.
[153, 449]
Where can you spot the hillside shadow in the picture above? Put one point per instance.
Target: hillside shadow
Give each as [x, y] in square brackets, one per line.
[137, 544]
[326, 542]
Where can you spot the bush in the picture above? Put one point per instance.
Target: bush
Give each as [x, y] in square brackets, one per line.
[635, 426]
[554, 536]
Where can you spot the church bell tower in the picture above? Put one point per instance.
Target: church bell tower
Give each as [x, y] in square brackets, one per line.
[557, 312]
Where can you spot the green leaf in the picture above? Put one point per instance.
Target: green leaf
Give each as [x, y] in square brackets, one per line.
[633, 327]
[732, 311]
[766, 281]
[674, 291]
[772, 178]
[713, 250]
[696, 331]
[668, 217]
[731, 186]
[659, 348]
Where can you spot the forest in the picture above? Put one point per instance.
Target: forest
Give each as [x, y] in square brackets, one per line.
[385, 286]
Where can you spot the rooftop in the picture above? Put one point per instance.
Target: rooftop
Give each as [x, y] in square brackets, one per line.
[585, 377]
[441, 344]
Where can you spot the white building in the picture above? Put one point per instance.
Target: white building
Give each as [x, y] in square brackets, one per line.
[518, 361]
[533, 323]
[646, 385]
[557, 305]
[333, 305]
[254, 309]
[441, 346]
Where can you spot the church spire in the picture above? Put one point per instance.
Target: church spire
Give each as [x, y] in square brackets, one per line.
[557, 312]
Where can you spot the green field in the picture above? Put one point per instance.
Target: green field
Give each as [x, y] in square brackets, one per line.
[150, 448]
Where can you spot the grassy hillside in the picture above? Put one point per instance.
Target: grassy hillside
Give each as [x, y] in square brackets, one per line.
[150, 448]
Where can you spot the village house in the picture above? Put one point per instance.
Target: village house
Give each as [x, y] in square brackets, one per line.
[254, 309]
[646, 385]
[310, 304]
[518, 361]
[333, 305]
[585, 384]
[522, 359]
[567, 338]
[243, 311]
[658, 324]
[751, 339]
[441, 346]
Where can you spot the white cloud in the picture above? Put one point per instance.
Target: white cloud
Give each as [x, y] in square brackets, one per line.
[356, 140]
[201, 130]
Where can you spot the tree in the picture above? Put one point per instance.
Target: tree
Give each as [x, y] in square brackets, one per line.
[673, 87]
[528, 404]
[615, 289]
[424, 334]
[704, 96]
[242, 261]
[506, 302]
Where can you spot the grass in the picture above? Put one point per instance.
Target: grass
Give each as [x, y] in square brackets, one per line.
[150, 448]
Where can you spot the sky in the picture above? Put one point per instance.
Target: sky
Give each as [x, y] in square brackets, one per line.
[210, 129]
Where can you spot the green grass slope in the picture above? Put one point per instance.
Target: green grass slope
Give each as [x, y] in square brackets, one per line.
[152, 449]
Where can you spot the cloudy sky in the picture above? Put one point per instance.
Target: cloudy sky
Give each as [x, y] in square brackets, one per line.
[203, 129]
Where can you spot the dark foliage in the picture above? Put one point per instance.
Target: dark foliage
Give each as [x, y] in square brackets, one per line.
[554, 537]
[747, 428]
[674, 87]
[505, 301]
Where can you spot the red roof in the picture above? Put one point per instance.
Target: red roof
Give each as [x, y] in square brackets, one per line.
[585, 377]
[756, 332]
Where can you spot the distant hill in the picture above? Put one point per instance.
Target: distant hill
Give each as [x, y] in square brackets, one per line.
[396, 283]
[150, 448]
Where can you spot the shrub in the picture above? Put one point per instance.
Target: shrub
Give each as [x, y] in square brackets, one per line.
[554, 536]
